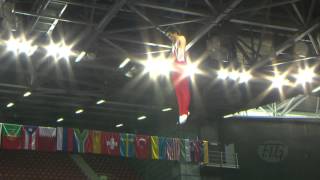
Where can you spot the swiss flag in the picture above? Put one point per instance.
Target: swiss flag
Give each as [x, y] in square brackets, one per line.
[110, 143]
[142, 145]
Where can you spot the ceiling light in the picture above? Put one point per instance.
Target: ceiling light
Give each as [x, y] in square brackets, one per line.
[166, 109]
[9, 105]
[59, 50]
[60, 119]
[302, 56]
[124, 63]
[20, 45]
[304, 76]
[79, 111]
[80, 56]
[157, 67]
[101, 101]
[245, 76]
[191, 69]
[119, 125]
[316, 89]
[26, 94]
[223, 74]
[142, 117]
[278, 81]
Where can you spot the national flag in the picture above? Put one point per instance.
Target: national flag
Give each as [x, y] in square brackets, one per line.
[173, 149]
[195, 150]
[142, 146]
[30, 137]
[154, 147]
[96, 141]
[111, 143]
[185, 150]
[11, 136]
[65, 139]
[0, 131]
[83, 141]
[162, 148]
[47, 140]
[127, 145]
[205, 152]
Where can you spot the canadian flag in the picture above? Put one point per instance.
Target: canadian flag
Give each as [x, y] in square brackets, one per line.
[110, 143]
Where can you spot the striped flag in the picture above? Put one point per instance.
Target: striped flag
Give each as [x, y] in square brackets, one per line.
[96, 141]
[154, 147]
[30, 137]
[185, 150]
[162, 148]
[65, 139]
[173, 149]
[195, 147]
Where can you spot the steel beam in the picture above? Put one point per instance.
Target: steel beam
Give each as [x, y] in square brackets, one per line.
[213, 23]
[52, 17]
[138, 42]
[170, 9]
[265, 6]
[263, 25]
[313, 42]
[290, 42]
[159, 25]
[39, 11]
[211, 7]
[146, 19]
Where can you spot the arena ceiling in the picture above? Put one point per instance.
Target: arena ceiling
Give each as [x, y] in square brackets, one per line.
[240, 34]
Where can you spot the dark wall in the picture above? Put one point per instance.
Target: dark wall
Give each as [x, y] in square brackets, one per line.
[275, 149]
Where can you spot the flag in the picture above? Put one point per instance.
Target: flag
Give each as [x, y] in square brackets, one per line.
[162, 148]
[185, 150]
[30, 137]
[47, 140]
[111, 143]
[127, 145]
[205, 152]
[195, 150]
[154, 147]
[11, 136]
[83, 141]
[65, 139]
[142, 146]
[96, 141]
[0, 132]
[173, 149]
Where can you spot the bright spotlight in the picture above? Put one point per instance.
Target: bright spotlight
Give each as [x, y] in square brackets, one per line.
[20, 45]
[245, 76]
[304, 76]
[142, 117]
[60, 51]
[79, 111]
[191, 69]
[26, 94]
[223, 74]
[9, 105]
[60, 119]
[157, 67]
[278, 81]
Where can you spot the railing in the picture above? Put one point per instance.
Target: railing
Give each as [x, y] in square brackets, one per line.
[223, 160]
